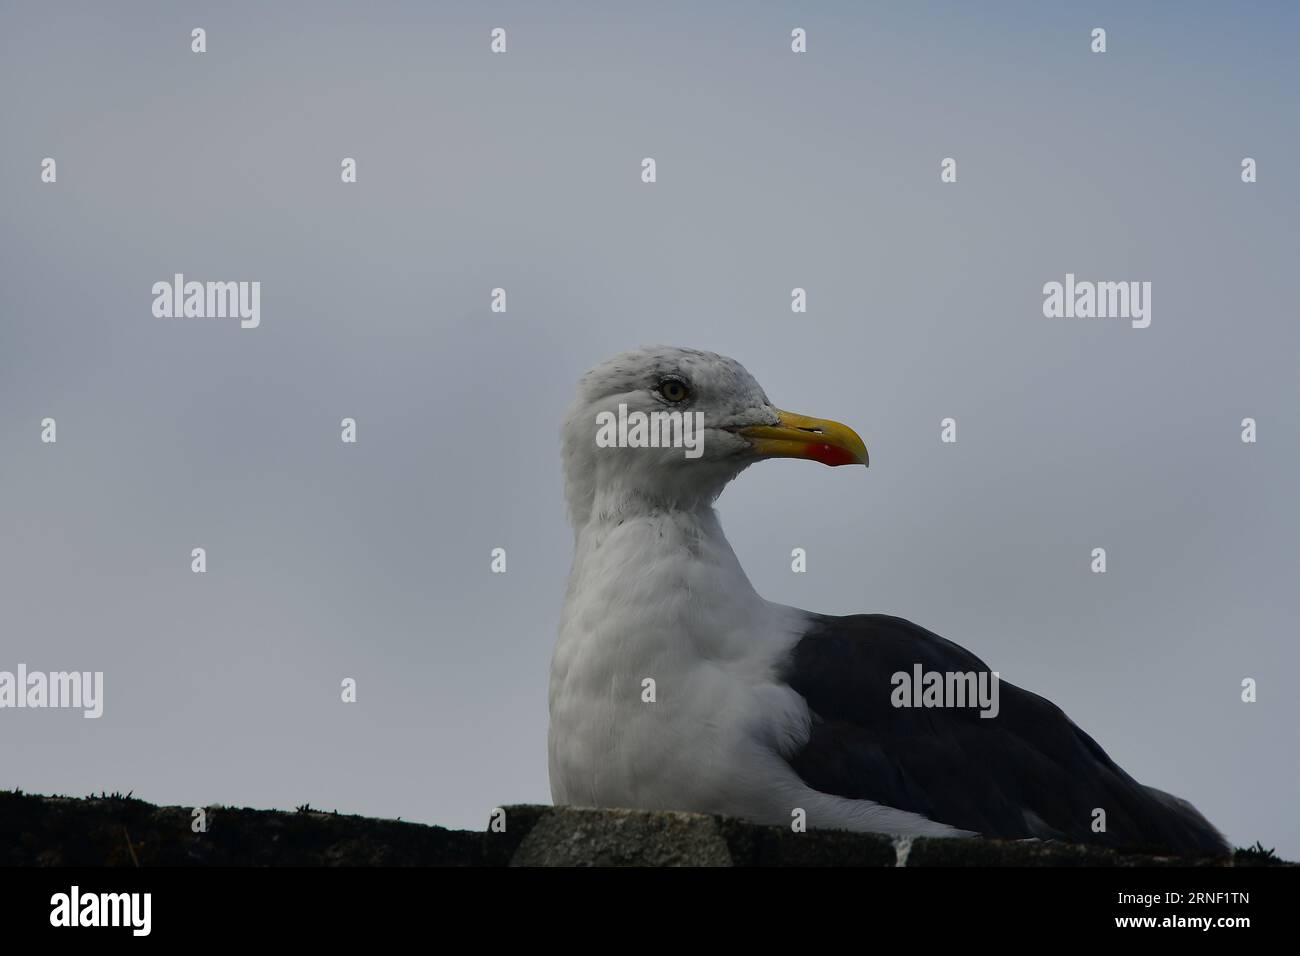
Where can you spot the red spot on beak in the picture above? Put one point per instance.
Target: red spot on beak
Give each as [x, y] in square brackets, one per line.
[831, 455]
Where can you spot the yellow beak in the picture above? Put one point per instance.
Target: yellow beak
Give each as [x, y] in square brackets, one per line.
[798, 436]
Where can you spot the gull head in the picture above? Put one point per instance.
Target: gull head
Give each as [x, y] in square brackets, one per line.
[666, 428]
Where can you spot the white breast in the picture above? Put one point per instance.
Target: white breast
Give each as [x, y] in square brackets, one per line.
[661, 598]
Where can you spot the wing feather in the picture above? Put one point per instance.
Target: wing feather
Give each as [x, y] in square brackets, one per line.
[1028, 772]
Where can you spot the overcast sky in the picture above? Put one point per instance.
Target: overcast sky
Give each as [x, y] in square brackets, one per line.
[522, 171]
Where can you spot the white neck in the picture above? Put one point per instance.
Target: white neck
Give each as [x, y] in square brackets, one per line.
[662, 566]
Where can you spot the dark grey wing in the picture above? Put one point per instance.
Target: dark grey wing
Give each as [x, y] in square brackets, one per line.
[1028, 772]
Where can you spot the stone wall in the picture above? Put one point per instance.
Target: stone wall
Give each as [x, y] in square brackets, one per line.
[122, 831]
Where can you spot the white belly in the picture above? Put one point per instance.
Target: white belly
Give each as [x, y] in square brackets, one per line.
[691, 747]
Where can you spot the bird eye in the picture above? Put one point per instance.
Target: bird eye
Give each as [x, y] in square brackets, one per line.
[673, 390]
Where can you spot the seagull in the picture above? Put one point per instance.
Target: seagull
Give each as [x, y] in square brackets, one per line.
[675, 686]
